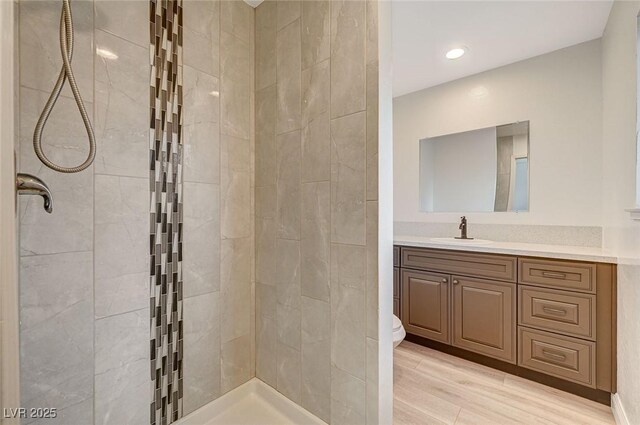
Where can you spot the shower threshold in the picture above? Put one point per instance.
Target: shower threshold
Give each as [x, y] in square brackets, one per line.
[253, 403]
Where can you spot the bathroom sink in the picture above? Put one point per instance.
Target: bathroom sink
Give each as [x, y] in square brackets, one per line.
[463, 242]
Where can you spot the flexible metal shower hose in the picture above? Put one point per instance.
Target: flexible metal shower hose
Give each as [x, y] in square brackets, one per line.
[66, 73]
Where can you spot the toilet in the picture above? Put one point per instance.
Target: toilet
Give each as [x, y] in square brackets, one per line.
[398, 331]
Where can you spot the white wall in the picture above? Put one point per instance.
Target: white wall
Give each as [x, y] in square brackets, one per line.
[559, 93]
[621, 234]
[463, 170]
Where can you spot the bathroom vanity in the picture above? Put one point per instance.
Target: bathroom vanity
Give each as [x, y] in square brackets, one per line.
[547, 314]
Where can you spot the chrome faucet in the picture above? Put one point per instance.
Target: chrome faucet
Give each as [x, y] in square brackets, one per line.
[26, 184]
[463, 228]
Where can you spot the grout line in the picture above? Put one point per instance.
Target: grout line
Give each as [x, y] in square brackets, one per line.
[109, 316]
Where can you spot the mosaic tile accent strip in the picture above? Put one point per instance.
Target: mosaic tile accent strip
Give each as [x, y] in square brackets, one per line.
[165, 248]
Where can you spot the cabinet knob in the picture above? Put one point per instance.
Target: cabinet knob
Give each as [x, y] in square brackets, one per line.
[445, 280]
[456, 281]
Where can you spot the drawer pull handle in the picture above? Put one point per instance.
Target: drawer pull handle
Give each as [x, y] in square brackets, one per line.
[558, 311]
[554, 275]
[554, 356]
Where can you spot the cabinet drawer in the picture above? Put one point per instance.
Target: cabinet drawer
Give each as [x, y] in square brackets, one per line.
[558, 311]
[396, 256]
[396, 282]
[460, 263]
[558, 274]
[560, 356]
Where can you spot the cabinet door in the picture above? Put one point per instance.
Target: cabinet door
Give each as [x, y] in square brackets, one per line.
[425, 304]
[484, 317]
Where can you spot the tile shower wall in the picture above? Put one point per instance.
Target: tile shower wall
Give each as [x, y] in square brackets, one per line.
[84, 270]
[316, 205]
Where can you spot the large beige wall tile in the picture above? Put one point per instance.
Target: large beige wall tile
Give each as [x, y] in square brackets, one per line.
[288, 180]
[348, 35]
[372, 269]
[201, 239]
[266, 136]
[266, 44]
[266, 251]
[202, 350]
[235, 364]
[201, 130]
[201, 32]
[348, 179]
[348, 266]
[316, 31]
[266, 350]
[315, 240]
[265, 235]
[372, 392]
[56, 367]
[288, 322]
[236, 62]
[372, 32]
[316, 357]
[236, 85]
[235, 288]
[122, 368]
[235, 108]
[372, 131]
[315, 91]
[348, 316]
[121, 270]
[126, 19]
[266, 299]
[316, 137]
[288, 11]
[236, 187]
[289, 74]
[237, 19]
[288, 273]
[288, 378]
[348, 399]
[121, 107]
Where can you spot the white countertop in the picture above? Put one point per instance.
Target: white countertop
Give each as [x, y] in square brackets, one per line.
[565, 252]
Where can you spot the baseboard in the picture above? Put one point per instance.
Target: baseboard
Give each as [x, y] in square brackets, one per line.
[618, 410]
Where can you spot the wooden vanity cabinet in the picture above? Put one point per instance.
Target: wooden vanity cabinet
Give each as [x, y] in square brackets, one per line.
[484, 317]
[550, 320]
[425, 305]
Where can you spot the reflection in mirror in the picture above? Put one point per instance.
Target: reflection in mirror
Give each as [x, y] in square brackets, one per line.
[476, 171]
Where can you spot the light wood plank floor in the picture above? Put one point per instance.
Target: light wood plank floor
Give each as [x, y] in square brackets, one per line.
[433, 388]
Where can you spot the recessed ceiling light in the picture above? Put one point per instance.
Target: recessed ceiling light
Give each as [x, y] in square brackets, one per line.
[107, 54]
[456, 53]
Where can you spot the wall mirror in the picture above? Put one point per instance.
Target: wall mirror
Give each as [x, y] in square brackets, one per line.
[483, 170]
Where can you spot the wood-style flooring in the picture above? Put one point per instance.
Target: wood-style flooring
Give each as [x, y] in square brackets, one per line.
[433, 388]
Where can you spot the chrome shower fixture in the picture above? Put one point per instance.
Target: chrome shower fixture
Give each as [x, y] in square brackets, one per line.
[66, 73]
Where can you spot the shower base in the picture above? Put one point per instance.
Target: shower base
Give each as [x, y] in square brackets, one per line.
[253, 403]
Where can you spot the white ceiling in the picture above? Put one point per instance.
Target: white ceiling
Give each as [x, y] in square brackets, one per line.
[495, 33]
